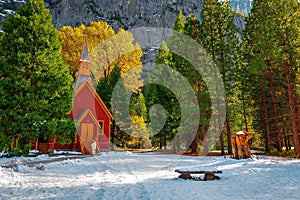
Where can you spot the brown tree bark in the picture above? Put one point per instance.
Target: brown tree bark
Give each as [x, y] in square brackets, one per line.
[244, 113]
[228, 133]
[266, 122]
[202, 131]
[241, 145]
[297, 112]
[194, 144]
[292, 109]
[274, 109]
[212, 46]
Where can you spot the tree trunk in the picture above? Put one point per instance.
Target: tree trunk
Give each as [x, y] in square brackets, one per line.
[204, 140]
[178, 144]
[286, 137]
[194, 144]
[266, 122]
[275, 116]
[202, 131]
[244, 111]
[112, 136]
[220, 125]
[222, 142]
[174, 144]
[292, 109]
[228, 133]
[289, 143]
[214, 58]
[241, 145]
[297, 110]
[160, 142]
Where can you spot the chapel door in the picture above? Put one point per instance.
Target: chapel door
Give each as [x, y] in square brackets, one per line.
[86, 137]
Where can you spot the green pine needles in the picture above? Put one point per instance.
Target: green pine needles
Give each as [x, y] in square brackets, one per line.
[36, 85]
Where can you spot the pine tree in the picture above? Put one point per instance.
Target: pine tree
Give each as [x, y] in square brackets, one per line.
[186, 70]
[219, 38]
[35, 84]
[138, 115]
[141, 106]
[179, 23]
[254, 87]
[104, 89]
[192, 29]
[158, 94]
[272, 41]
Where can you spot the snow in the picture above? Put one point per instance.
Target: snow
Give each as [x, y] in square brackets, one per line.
[58, 152]
[240, 133]
[126, 175]
[16, 1]
[9, 11]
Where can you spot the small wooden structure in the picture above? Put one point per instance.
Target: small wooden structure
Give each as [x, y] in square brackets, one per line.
[241, 145]
[89, 111]
[208, 175]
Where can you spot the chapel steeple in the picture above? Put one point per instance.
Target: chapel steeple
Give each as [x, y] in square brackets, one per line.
[84, 68]
[85, 63]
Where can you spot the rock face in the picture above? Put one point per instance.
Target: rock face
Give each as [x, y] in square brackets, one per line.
[127, 14]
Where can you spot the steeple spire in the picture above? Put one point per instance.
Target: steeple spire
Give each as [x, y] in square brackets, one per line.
[84, 65]
[84, 69]
[85, 52]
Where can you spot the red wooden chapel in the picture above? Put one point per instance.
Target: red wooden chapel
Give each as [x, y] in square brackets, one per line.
[89, 111]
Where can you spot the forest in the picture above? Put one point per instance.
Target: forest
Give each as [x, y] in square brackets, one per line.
[259, 67]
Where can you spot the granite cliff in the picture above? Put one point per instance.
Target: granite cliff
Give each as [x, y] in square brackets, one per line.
[126, 14]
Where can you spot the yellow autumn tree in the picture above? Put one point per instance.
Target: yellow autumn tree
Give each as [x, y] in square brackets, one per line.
[72, 40]
[120, 50]
[107, 49]
[139, 133]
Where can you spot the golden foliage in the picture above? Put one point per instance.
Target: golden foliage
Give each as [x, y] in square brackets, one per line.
[72, 40]
[139, 132]
[119, 50]
[106, 50]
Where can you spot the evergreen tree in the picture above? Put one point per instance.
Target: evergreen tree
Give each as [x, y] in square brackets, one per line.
[137, 109]
[192, 29]
[255, 87]
[185, 69]
[219, 38]
[159, 94]
[179, 23]
[104, 89]
[106, 85]
[141, 106]
[272, 48]
[36, 85]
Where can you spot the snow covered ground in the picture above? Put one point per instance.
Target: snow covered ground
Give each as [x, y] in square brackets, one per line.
[124, 175]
